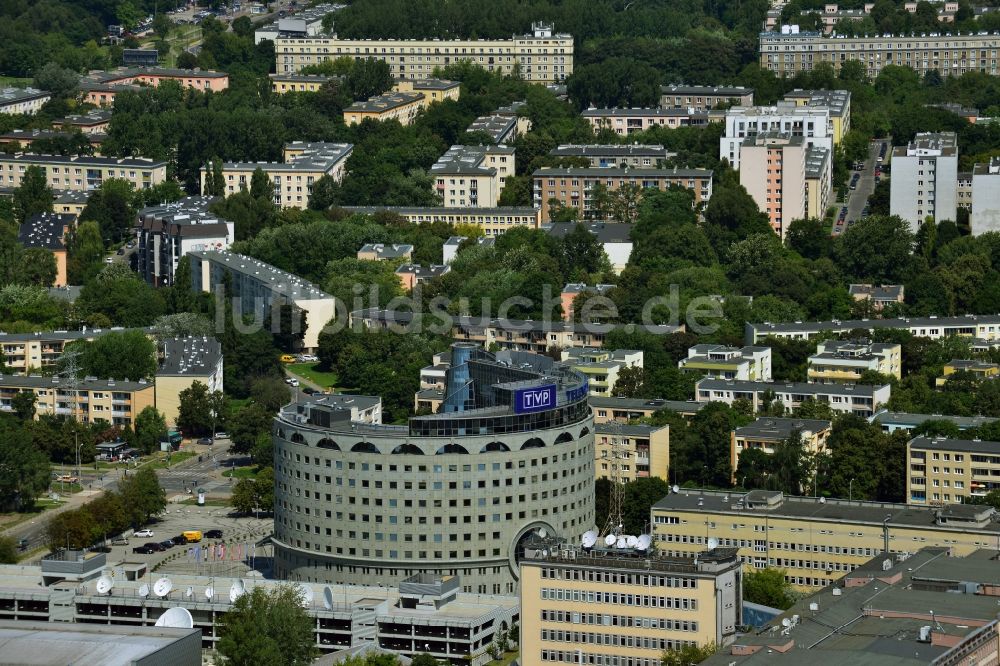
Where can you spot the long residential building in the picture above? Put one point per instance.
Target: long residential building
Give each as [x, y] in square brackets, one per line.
[540, 57]
[893, 421]
[712, 360]
[400, 106]
[979, 327]
[28, 101]
[574, 187]
[169, 231]
[637, 156]
[858, 399]
[87, 399]
[260, 288]
[100, 88]
[811, 123]
[82, 172]
[472, 176]
[705, 98]
[25, 352]
[940, 470]
[791, 51]
[286, 83]
[493, 221]
[767, 433]
[629, 121]
[632, 409]
[817, 541]
[844, 361]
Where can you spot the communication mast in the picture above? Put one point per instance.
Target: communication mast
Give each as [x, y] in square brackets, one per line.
[615, 523]
[71, 381]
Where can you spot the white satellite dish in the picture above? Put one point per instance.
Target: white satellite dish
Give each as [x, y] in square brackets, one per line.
[676, 489]
[162, 587]
[622, 542]
[306, 595]
[610, 540]
[786, 622]
[176, 617]
[328, 598]
[631, 541]
[542, 533]
[104, 584]
[189, 592]
[589, 539]
[144, 590]
[236, 591]
[644, 542]
[713, 543]
[209, 593]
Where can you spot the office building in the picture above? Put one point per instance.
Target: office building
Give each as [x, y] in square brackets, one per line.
[858, 399]
[27, 101]
[573, 290]
[768, 433]
[892, 421]
[879, 296]
[637, 450]
[925, 179]
[615, 238]
[450, 248]
[927, 608]
[410, 275]
[261, 289]
[100, 87]
[402, 107]
[751, 364]
[305, 23]
[773, 172]
[845, 361]
[837, 102]
[573, 187]
[632, 409]
[629, 121]
[819, 182]
[985, 213]
[25, 352]
[604, 606]
[286, 83]
[817, 541]
[184, 361]
[472, 176]
[459, 492]
[628, 155]
[942, 470]
[433, 90]
[48, 231]
[494, 221]
[602, 367]
[82, 172]
[385, 252]
[789, 51]
[167, 232]
[974, 369]
[811, 123]
[704, 98]
[87, 399]
[540, 57]
[979, 327]
[304, 163]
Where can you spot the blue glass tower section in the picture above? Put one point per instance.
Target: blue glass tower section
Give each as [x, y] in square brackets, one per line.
[458, 395]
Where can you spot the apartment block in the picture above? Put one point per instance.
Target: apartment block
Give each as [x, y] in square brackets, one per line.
[503, 125]
[985, 213]
[95, 121]
[837, 102]
[604, 606]
[410, 275]
[385, 252]
[601, 367]
[977, 327]
[100, 88]
[286, 83]
[773, 172]
[184, 361]
[978, 370]
[924, 179]
[858, 399]
[704, 98]
[70, 201]
[721, 362]
[811, 123]
[819, 182]
[633, 409]
[767, 433]
[81, 172]
[574, 187]
[943, 471]
[433, 90]
[540, 57]
[879, 295]
[48, 231]
[26, 352]
[402, 107]
[817, 541]
[614, 237]
[23, 140]
[573, 290]
[260, 288]
[845, 361]
[28, 101]
[637, 156]
[963, 190]
[639, 451]
[472, 176]
[167, 232]
[494, 221]
[629, 121]
[304, 163]
[88, 399]
[892, 421]
[450, 248]
[790, 51]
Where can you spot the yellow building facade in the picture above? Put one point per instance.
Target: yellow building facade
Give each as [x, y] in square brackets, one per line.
[433, 90]
[942, 470]
[88, 400]
[638, 450]
[402, 107]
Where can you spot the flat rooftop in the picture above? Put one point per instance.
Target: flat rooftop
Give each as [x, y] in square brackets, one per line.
[772, 428]
[190, 356]
[384, 102]
[279, 281]
[962, 445]
[616, 172]
[52, 644]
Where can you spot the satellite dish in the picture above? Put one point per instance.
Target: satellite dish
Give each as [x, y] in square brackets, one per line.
[631, 541]
[306, 595]
[644, 542]
[610, 540]
[676, 489]
[189, 592]
[104, 584]
[162, 587]
[786, 622]
[622, 542]
[328, 598]
[176, 617]
[144, 590]
[542, 533]
[209, 593]
[589, 539]
[236, 591]
[713, 543]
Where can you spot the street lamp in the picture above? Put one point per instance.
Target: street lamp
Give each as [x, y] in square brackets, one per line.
[850, 490]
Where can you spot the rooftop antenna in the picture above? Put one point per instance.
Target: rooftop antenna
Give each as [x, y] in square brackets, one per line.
[176, 617]
[162, 587]
[614, 523]
[104, 584]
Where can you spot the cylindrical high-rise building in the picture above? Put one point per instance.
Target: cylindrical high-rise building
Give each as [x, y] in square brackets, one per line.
[458, 492]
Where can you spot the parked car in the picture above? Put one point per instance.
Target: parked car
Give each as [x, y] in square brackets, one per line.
[155, 545]
[22, 544]
[145, 533]
[292, 381]
[180, 540]
[213, 534]
[168, 543]
[222, 435]
[143, 550]
[207, 441]
[120, 541]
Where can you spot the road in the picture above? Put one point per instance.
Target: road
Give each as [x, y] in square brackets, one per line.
[858, 198]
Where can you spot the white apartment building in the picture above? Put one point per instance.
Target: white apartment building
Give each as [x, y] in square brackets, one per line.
[23, 100]
[844, 361]
[81, 172]
[985, 215]
[169, 231]
[812, 123]
[711, 360]
[858, 399]
[472, 176]
[924, 179]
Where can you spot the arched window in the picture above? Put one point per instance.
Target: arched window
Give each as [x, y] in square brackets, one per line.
[452, 448]
[564, 437]
[533, 443]
[493, 447]
[327, 443]
[408, 449]
[365, 447]
[298, 438]
[584, 432]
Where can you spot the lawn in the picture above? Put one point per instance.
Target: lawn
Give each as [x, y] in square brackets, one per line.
[249, 472]
[14, 81]
[174, 459]
[309, 371]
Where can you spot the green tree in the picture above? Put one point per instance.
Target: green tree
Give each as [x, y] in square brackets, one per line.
[876, 248]
[244, 496]
[142, 496]
[113, 207]
[809, 237]
[38, 266]
[150, 429]
[23, 404]
[24, 473]
[261, 186]
[127, 14]
[267, 626]
[769, 588]
[116, 355]
[369, 77]
[62, 82]
[85, 250]
[247, 425]
[33, 195]
[271, 393]
[200, 409]
[162, 25]
[688, 655]
[8, 550]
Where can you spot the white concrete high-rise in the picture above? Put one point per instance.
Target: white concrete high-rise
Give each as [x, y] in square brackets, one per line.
[924, 179]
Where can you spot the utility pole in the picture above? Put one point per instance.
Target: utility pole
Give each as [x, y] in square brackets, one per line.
[72, 381]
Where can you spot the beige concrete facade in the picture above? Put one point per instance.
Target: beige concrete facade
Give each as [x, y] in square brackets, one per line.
[942, 470]
[472, 176]
[493, 221]
[90, 400]
[433, 90]
[766, 433]
[286, 83]
[401, 107]
[82, 172]
[644, 451]
[844, 361]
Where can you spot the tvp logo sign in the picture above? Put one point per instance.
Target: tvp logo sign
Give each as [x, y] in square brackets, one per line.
[534, 399]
